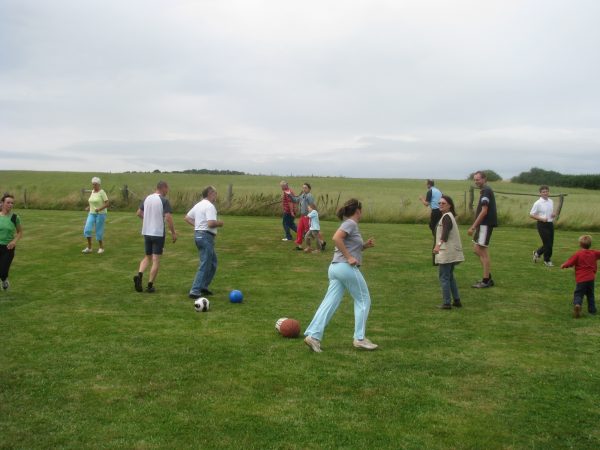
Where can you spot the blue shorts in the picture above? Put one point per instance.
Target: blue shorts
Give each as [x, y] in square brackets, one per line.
[154, 245]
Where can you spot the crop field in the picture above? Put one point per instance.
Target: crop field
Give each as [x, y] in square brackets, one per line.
[87, 362]
[384, 200]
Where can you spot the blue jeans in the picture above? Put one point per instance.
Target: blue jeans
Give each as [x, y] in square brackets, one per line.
[205, 242]
[585, 288]
[448, 283]
[288, 224]
[94, 221]
[342, 276]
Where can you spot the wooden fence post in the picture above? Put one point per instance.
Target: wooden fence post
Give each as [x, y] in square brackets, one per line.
[229, 195]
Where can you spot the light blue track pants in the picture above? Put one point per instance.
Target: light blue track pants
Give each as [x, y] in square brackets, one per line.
[94, 221]
[342, 276]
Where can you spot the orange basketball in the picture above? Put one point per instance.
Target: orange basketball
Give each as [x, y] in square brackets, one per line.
[289, 328]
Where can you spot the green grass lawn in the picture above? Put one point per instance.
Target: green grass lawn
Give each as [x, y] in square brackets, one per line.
[87, 362]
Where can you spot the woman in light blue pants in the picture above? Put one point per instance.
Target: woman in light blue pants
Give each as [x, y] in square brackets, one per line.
[344, 274]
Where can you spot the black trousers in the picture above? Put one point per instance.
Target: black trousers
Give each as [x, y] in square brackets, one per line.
[6, 257]
[546, 232]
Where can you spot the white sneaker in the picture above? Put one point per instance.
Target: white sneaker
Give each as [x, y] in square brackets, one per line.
[286, 239]
[364, 344]
[548, 264]
[100, 250]
[86, 250]
[5, 285]
[314, 344]
[536, 257]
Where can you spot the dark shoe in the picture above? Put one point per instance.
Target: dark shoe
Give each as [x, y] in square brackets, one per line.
[206, 292]
[194, 296]
[299, 248]
[137, 283]
[444, 306]
[593, 313]
[150, 289]
[5, 285]
[457, 304]
[323, 245]
[481, 284]
[577, 311]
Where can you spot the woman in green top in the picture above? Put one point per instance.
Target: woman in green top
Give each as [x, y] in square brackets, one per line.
[10, 233]
[98, 204]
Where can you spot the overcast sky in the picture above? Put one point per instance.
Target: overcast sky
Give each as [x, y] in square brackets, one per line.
[357, 88]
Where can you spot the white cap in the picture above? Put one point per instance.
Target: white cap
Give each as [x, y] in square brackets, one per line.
[95, 180]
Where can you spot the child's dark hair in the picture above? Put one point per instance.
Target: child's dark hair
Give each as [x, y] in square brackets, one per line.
[450, 202]
[585, 241]
[7, 195]
[349, 208]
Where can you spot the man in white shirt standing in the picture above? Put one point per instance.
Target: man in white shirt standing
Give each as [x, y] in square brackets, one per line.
[154, 211]
[203, 217]
[543, 212]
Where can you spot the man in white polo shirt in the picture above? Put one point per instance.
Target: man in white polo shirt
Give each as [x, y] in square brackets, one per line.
[543, 212]
[154, 211]
[203, 217]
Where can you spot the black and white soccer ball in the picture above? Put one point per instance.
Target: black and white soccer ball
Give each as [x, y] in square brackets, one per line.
[201, 304]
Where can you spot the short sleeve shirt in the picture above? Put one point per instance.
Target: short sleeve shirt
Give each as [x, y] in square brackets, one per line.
[486, 198]
[97, 200]
[8, 228]
[202, 212]
[353, 242]
[543, 208]
[155, 207]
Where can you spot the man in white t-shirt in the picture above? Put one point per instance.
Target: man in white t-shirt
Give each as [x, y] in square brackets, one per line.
[203, 217]
[154, 211]
[543, 212]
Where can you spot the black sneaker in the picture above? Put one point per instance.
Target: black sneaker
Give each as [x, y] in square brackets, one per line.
[206, 292]
[194, 296]
[5, 285]
[444, 306]
[481, 284]
[150, 289]
[323, 245]
[137, 283]
[457, 304]
[299, 248]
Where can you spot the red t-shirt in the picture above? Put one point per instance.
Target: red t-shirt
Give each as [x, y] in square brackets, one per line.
[584, 262]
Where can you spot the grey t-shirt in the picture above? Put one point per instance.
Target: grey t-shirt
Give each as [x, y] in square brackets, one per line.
[353, 242]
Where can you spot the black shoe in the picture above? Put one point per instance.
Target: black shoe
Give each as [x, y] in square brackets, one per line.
[137, 283]
[457, 304]
[194, 296]
[150, 289]
[481, 284]
[205, 292]
[444, 306]
[5, 285]
[299, 248]
[323, 245]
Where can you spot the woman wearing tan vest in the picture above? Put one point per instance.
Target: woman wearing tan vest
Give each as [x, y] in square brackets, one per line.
[448, 252]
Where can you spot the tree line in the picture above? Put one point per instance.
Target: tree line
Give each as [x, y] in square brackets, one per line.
[540, 176]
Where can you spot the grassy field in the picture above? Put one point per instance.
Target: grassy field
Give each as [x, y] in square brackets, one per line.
[87, 362]
[384, 200]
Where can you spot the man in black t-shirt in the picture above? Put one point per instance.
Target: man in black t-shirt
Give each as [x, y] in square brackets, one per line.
[481, 230]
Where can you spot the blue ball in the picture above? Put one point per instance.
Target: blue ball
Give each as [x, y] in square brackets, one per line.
[236, 296]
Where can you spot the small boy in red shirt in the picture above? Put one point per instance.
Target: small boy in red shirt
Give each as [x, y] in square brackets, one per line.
[584, 262]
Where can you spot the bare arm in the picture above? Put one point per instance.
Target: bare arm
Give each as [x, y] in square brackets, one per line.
[12, 244]
[140, 213]
[478, 220]
[169, 219]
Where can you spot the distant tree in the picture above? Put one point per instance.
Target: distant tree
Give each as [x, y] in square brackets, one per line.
[156, 171]
[490, 174]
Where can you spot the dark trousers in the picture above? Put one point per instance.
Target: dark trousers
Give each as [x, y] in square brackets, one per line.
[434, 218]
[288, 224]
[585, 288]
[546, 232]
[6, 258]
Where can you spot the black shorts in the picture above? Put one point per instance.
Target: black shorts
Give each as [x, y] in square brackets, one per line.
[154, 245]
[482, 236]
